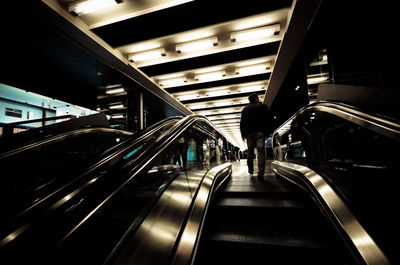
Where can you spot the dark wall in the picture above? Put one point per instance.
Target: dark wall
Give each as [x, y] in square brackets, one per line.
[361, 42]
[36, 58]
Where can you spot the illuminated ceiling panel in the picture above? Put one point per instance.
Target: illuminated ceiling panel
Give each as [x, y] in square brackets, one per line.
[209, 56]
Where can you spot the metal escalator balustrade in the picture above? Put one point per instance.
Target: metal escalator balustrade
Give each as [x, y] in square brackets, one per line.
[266, 222]
[362, 241]
[51, 164]
[49, 205]
[91, 218]
[354, 155]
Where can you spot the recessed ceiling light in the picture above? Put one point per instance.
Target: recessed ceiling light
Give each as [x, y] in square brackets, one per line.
[115, 91]
[210, 76]
[172, 82]
[252, 34]
[252, 69]
[197, 45]
[88, 6]
[147, 55]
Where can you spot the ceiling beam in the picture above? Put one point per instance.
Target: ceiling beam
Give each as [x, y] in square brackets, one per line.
[299, 20]
[79, 32]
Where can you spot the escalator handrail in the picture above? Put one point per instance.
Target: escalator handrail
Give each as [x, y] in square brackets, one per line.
[146, 156]
[109, 156]
[376, 122]
[149, 155]
[191, 231]
[343, 219]
[58, 138]
[120, 149]
[62, 136]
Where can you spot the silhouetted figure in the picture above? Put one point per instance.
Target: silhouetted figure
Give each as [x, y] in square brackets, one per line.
[254, 128]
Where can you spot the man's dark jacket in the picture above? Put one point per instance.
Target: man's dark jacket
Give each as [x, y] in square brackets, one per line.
[255, 118]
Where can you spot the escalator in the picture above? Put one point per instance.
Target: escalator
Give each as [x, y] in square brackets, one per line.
[267, 222]
[141, 202]
[329, 200]
[65, 216]
[52, 181]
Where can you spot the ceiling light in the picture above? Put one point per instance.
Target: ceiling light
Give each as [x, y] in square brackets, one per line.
[119, 106]
[253, 69]
[252, 34]
[224, 103]
[217, 93]
[316, 80]
[251, 88]
[88, 6]
[188, 97]
[172, 82]
[257, 61]
[197, 45]
[225, 111]
[170, 76]
[119, 116]
[198, 107]
[115, 91]
[210, 76]
[147, 55]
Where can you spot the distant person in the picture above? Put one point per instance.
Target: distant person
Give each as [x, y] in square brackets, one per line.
[182, 149]
[254, 129]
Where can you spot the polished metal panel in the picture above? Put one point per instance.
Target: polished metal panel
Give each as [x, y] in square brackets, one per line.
[160, 229]
[374, 122]
[156, 237]
[192, 228]
[331, 202]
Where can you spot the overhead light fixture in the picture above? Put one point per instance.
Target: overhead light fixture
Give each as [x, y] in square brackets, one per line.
[88, 6]
[253, 34]
[119, 106]
[119, 116]
[317, 80]
[209, 76]
[172, 82]
[251, 88]
[217, 93]
[147, 55]
[223, 103]
[198, 107]
[115, 91]
[252, 69]
[187, 97]
[252, 62]
[197, 45]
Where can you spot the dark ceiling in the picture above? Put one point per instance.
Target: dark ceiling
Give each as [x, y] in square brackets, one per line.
[353, 33]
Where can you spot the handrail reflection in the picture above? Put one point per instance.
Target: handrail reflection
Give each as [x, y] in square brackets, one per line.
[331, 202]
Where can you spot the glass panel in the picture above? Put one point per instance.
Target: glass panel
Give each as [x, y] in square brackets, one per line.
[117, 216]
[361, 164]
[37, 171]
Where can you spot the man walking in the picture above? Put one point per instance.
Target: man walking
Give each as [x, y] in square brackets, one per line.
[254, 128]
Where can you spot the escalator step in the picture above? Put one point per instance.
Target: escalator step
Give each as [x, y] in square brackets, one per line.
[272, 240]
[262, 202]
[219, 252]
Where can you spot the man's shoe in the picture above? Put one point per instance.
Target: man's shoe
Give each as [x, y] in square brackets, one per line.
[260, 177]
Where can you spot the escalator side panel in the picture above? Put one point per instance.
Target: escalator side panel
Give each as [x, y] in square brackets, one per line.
[332, 204]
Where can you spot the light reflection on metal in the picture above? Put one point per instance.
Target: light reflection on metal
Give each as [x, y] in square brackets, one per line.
[72, 194]
[362, 241]
[161, 227]
[193, 226]
[13, 235]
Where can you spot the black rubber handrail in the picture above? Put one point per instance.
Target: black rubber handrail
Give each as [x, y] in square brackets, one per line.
[107, 158]
[381, 124]
[160, 145]
[362, 245]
